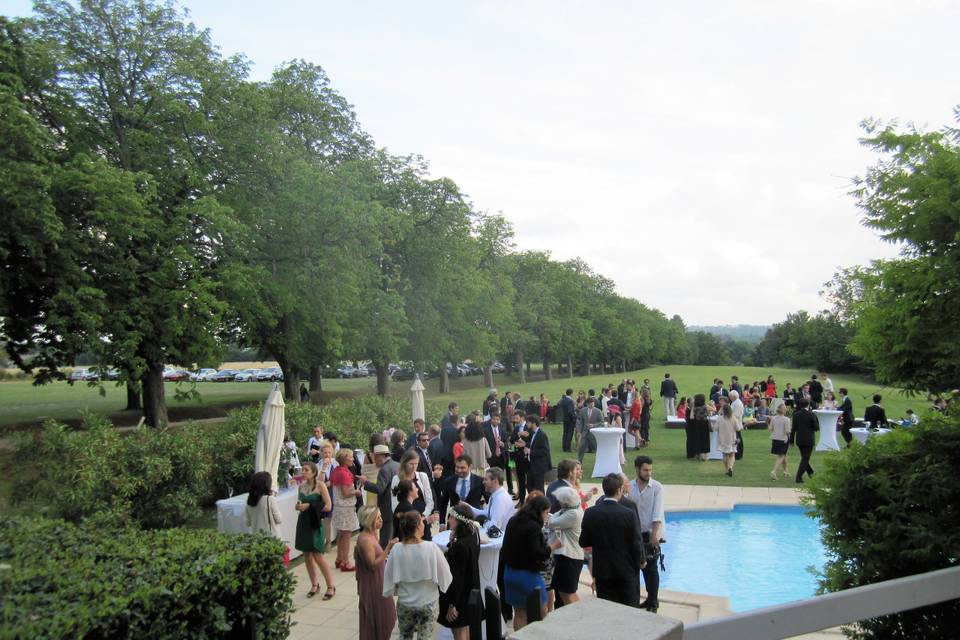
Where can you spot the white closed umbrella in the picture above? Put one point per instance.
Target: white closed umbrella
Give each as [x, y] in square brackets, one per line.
[416, 398]
[270, 435]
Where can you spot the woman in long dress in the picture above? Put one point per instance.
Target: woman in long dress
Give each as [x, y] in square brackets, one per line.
[476, 446]
[313, 501]
[698, 429]
[727, 429]
[463, 558]
[378, 614]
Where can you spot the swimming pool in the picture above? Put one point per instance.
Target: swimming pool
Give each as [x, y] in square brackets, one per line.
[756, 556]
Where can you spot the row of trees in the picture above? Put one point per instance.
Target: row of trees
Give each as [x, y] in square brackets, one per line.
[159, 206]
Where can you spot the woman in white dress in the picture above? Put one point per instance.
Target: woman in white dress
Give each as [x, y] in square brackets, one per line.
[727, 427]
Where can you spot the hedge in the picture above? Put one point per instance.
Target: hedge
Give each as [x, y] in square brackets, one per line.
[157, 478]
[58, 580]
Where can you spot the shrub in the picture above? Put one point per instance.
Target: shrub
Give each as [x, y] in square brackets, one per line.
[62, 581]
[891, 509]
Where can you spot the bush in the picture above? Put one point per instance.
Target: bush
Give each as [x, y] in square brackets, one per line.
[891, 509]
[61, 581]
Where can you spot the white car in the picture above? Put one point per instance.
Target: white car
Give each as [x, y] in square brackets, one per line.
[247, 375]
[202, 375]
[270, 374]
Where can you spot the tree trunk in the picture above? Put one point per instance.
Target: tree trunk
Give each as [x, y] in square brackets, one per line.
[624, 365]
[316, 380]
[569, 366]
[547, 373]
[488, 376]
[154, 401]
[133, 396]
[603, 367]
[510, 368]
[585, 366]
[444, 380]
[291, 380]
[383, 377]
[528, 368]
[519, 359]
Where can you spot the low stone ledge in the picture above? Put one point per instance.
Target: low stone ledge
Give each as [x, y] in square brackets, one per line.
[596, 619]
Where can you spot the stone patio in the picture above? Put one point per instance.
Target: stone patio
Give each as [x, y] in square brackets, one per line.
[337, 619]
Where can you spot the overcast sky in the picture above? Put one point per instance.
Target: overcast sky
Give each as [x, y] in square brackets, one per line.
[697, 153]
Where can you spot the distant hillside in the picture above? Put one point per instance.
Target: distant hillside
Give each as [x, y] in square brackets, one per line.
[747, 332]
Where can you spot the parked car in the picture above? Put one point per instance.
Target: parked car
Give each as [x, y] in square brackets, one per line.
[498, 367]
[225, 375]
[247, 375]
[470, 368]
[171, 374]
[84, 374]
[270, 374]
[405, 373]
[112, 374]
[202, 375]
[345, 372]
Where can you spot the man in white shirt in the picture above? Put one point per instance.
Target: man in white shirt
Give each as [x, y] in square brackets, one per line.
[313, 444]
[648, 494]
[499, 508]
[827, 382]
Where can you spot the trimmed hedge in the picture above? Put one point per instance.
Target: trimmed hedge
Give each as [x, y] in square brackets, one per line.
[58, 580]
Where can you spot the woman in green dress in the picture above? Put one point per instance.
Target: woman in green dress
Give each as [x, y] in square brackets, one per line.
[314, 501]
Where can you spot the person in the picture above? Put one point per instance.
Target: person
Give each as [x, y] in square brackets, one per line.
[816, 391]
[805, 424]
[779, 428]
[313, 501]
[875, 415]
[462, 485]
[520, 460]
[499, 507]
[647, 495]
[435, 448]
[910, 419]
[422, 449]
[325, 466]
[829, 401]
[345, 494]
[449, 436]
[698, 429]
[588, 418]
[461, 438]
[565, 469]
[771, 389]
[397, 444]
[414, 573]
[498, 437]
[545, 408]
[536, 447]
[645, 411]
[312, 449]
[614, 534]
[409, 469]
[761, 412]
[568, 412]
[736, 404]
[827, 382]
[475, 445]
[727, 428]
[789, 395]
[419, 426]
[294, 466]
[386, 470]
[378, 614]
[846, 419]
[568, 557]
[585, 496]
[463, 555]
[735, 384]
[681, 411]
[405, 493]
[262, 512]
[632, 417]
[668, 391]
[524, 553]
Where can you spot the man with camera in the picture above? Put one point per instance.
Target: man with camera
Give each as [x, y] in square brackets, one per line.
[647, 493]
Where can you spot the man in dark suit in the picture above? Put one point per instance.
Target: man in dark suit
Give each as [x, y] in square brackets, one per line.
[435, 448]
[875, 414]
[846, 420]
[448, 435]
[618, 555]
[520, 456]
[565, 469]
[387, 469]
[462, 485]
[816, 391]
[536, 446]
[568, 414]
[498, 437]
[805, 425]
[419, 426]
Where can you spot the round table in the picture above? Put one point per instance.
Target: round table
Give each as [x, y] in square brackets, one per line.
[828, 429]
[488, 562]
[608, 450]
[862, 433]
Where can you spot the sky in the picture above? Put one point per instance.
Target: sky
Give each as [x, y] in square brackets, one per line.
[699, 154]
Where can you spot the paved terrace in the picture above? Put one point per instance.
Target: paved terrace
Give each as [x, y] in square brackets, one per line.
[337, 619]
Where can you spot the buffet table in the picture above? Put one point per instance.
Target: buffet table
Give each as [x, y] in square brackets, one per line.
[862, 434]
[231, 519]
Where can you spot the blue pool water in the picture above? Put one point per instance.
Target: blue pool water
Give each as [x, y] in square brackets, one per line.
[755, 556]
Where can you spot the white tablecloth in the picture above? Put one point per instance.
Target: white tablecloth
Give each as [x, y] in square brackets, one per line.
[608, 450]
[674, 422]
[230, 516]
[714, 441]
[488, 562]
[862, 433]
[828, 429]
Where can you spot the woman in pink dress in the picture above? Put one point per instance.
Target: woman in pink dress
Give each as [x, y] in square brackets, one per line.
[378, 614]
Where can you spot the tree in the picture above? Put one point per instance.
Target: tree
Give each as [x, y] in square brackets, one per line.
[906, 309]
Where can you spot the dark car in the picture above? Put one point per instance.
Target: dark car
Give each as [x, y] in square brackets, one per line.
[227, 375]
[405, 374]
